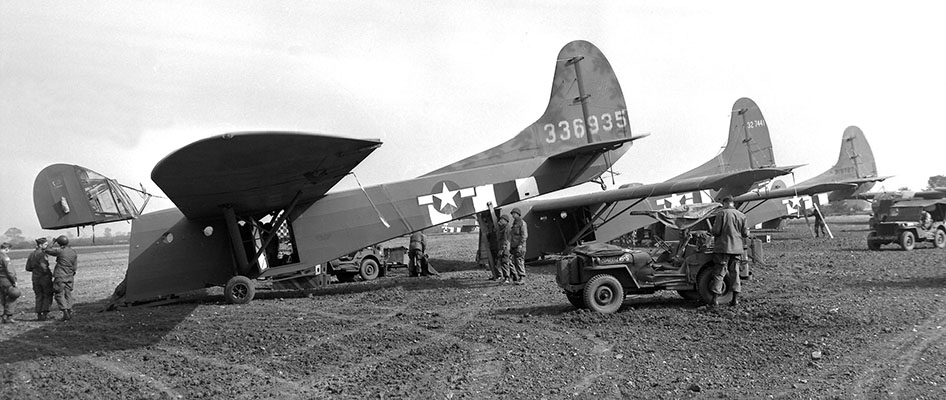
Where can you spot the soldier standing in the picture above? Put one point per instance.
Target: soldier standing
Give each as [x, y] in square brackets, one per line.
[42, 279]
[518, 235]
[819, 225]
[64, 275]
[730, 229]
[502, 238]
[417, 254]
[8, 290]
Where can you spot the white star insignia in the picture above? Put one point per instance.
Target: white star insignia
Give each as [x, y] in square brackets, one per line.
[446, 197]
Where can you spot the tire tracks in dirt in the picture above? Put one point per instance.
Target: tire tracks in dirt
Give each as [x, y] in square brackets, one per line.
[896, 358]
[122, 370]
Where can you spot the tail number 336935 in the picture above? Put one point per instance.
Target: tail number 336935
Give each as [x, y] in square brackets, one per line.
[565, 130]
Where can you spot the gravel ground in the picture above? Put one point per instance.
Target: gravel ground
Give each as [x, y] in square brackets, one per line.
[824, 319]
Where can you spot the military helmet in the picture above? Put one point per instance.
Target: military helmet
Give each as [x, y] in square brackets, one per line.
[504, 217]
[62, 240]
[13, 293]
[516, 211]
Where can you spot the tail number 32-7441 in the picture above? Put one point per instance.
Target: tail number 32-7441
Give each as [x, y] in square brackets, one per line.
[565, 130]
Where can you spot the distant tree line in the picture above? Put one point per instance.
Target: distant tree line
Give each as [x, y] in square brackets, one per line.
[15, 237]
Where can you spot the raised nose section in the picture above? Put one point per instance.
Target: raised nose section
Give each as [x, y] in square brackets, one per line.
[66, 195]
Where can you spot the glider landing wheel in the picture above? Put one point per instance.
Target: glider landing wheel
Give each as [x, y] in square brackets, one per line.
[239, 290]
[369, 270]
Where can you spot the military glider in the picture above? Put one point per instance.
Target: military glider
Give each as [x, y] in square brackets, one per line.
[560, 223]
[855, 172]
[237, 193]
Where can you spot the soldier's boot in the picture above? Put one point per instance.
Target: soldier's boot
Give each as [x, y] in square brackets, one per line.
[66, 315]
[40, 316]
[714, 301]
[735, 299]
[8, 319]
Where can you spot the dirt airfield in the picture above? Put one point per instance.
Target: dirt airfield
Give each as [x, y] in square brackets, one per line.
[825, 319]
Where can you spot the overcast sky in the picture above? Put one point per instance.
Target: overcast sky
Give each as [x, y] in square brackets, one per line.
[116, 86]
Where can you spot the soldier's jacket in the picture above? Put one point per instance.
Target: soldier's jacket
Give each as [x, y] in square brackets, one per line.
[503, 233]
[38, 264]
[418, 241]
[518, 234]
[66, 262]
[729, 228]
[6, 270]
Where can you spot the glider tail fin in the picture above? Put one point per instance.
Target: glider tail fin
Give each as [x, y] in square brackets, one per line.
[856, 160]
[586, 106]
[66, 196]
[748, 146]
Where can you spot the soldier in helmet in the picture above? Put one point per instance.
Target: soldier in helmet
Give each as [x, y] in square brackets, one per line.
[42, 279]
[502, 237]
[8, 290]
[518, 234]
[64, 274]
[418, 255]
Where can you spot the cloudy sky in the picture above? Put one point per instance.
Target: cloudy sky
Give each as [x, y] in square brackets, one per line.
[116, 86]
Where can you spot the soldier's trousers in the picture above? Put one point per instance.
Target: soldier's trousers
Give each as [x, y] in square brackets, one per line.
[517, 265]
[9, 306]
[43, 289]
[726, 264]
[418, 263]
[63, 293]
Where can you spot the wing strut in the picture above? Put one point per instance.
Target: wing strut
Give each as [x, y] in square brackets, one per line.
[590, 225]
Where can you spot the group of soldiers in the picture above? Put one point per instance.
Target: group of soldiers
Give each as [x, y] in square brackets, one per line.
[507, 246]
[47, 284]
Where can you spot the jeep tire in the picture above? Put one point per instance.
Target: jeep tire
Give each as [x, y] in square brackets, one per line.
[939, 239]
[603, 293]
[907, 240]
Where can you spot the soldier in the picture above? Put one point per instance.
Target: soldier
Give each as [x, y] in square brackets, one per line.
[518, 235]
[819, 225]
[502, 238]
[64, 275]
[42, 279]
[730, 229]
[8, 290]
[417, 254]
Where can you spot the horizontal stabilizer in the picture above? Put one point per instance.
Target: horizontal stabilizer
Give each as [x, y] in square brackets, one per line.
[794, 191]
[665, 188]
[596, 147]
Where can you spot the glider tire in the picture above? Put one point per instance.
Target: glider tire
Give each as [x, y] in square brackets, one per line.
[239, 290]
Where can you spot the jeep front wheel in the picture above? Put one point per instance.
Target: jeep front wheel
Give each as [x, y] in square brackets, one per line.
[604, 294]
[940, 239]
[907, 240]
[369, 269]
